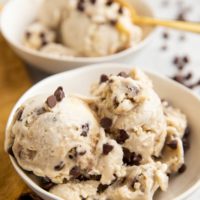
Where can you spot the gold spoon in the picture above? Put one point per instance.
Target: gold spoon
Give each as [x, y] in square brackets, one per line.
[143, 20]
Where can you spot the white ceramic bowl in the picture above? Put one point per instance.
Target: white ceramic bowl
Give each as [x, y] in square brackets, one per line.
[79, 80]
[17, 14]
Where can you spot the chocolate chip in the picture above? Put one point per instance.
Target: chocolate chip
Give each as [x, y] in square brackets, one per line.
[182, 169]
[59, 94]
[82, 153]
[109, 2]
[10, 151]
[165, 35]
[133, 90]
[95, 177]
[181, 17]
[107, 148]
[80, 6]
[106, 122]
[176, 60]
[75, 172]
[103, 78]
[19, 115]
[51, 101]
[173, 144]
[123, 74]
[72, 154]
[29, 196]
[46, 183]
[41, 111]
[178, 78]
[113, 22]
[186, 59]
[101, 188]
[188, 76]
[92, 1]
[120, 10]
[42, 35]
[135, 180]
[122, 136]
[28, 34]
[85, 129]
[44, 42]
[60, 166]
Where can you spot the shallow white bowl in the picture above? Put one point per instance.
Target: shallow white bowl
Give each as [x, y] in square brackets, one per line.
[17, 14]
[79, 81]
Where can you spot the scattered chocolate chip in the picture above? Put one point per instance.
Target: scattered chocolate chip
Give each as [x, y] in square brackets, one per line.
[51, 101]
[109, 2]
[10, 151]
[92, 1]
[85, 129]
[113, 22]
[46, 183]
[106, 122]
[101, 188]
[80, 6]
[29, 196]
[122, 136]
[120, 10]
[28, 34]
[59, 94]
[135, 180]
[165, 35]
[75, 172]
[182, 169]
[41, 111]
[107, 148]
[123, 74]
[173, 144]
[60, 166]
[19, 115]
[103, 78]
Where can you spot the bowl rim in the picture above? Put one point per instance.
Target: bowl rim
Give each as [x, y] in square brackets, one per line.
[107, 58]
[36, 187]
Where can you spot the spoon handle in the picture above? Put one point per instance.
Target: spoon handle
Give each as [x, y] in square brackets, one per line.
[180, 25]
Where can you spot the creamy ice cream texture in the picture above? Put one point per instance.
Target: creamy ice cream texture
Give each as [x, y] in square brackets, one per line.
[89, 28]
[123, 144]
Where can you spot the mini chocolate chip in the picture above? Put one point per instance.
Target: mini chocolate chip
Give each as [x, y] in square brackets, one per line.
[107, 148]
[59, 94]
[188, 76]
[85, 129]
[180, 66]
[182, 169]
[19, 115]
[75, 172]
[122, 137]
[109, 2]
[101, 188]
[92, 1]
[41, 111]
[106, 122]
[173, 144]
[29, 196]
[42, 35]
[44, 42]
[120, 10]
[51, 101]
[80, 6]
[103, 78]
[165, 35]
[10, 151]
[131, 158]
[186, 59]
[178, 78]
[46, 183]
[113, 22]
[123, 74]
[135, 180]
[60, 166]
[176, 60]
[28, 34]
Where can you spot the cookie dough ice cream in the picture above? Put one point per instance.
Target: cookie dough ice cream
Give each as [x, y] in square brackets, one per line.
[89, 28]
[122, 144]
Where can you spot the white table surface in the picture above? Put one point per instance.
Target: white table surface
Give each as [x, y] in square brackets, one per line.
[151, 57]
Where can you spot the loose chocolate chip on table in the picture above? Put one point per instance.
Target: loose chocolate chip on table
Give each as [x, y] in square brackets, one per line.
[122, 136]
[29, 196]
[19, 115]
[60, 166]
[107, 148]
[103, 78]
[59, 94]
[46, 183]
[123, 74]
[75, 172]
[106, 122]
[10, 151]
[182, 169]
[85, 129]
[173, 144]
[101, 188]
[51, 101]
